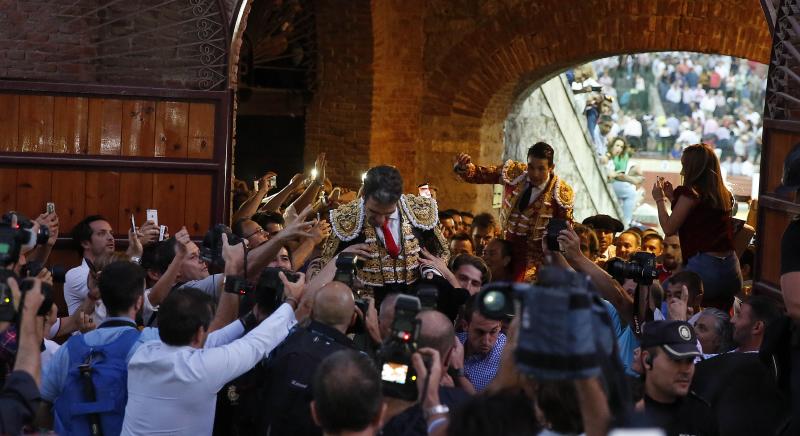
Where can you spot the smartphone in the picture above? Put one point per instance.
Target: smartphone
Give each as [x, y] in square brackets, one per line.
[255, 184]
[51, 207]
[273, 182]
[152, 215]
[162, 230]
[554, 228]
[425, 191]
[133, 224]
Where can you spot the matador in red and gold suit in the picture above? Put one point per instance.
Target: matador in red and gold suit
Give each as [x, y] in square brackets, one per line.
[532, 195]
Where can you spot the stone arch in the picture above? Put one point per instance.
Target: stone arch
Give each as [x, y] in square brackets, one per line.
[473, 85]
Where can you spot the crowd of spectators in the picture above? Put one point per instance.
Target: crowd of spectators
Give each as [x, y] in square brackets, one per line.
[173, 337]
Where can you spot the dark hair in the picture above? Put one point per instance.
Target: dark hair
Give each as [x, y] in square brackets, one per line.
[542, 150]
[504, 413]
[238, 226]
[452, 212]
[182, 313]
[483, 220]
[692, 281]
[266, 218]
[748, 257]
[461, 236]
[121, 284]
[558, 401]
[160, 255]
[83, 231]
[594, 242]
[347, 392]
[384, 184]
[763, 309]
[650, 236]
[477, 262]
[443, 215]
[466, 213]
[506, 247]
[631, 232]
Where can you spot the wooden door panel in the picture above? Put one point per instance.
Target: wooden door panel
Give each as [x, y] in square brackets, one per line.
[33, 191]
[138, 128]
[69, 195]
[198, 204]
[135, 197]
[8, 194]
[71, 125]
[36, 123]
[201, 130]
[105, 126]
[774, 222]
[9, 122]
[172, 129]
[169, 197]
[102, 197]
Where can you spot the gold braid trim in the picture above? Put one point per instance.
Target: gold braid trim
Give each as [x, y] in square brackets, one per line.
[513, 171]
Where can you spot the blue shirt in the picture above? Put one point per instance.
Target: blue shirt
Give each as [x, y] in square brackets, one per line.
[626, 340]
[479, 369]
[54, 374]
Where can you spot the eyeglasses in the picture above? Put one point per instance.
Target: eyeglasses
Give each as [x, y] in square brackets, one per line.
[258, 231]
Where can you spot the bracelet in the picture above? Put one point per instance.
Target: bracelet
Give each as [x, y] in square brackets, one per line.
[439, 409]
[436, 423]
[291, 301]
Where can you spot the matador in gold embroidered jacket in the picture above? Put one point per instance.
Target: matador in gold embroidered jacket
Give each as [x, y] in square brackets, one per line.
[524, 227]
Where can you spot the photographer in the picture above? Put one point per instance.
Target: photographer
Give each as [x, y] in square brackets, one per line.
[287, 377]
[436, 332]
[20, 393]
[173, 383]
[347, 396]
[483, 345]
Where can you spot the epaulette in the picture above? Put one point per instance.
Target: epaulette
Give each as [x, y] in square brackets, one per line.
[423, 212]
[513, 172]
[565, 197]
[347, 220]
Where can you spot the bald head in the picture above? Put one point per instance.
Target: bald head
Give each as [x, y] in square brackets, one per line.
[436, 331]
[334, 305]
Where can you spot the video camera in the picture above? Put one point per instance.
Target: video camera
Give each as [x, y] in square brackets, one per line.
[269, 291]
[560, 321]
[9, 312]
[33, 268]
[398, 377]
[15, 239]
[211, 251]
[641, 268]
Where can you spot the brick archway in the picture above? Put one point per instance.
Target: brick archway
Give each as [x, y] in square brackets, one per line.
[473, 84]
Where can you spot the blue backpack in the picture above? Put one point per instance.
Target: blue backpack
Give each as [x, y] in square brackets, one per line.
[106, 368]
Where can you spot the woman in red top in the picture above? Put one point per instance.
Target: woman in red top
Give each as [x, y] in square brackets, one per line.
[702, 218]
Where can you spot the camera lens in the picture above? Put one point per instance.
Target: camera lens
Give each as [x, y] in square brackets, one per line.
[494, 301]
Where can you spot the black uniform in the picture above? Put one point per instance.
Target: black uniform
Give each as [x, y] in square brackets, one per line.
[689, 416]
[288, 374]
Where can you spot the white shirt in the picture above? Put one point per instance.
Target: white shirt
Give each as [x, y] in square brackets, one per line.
[208, 285]
[173, 390]
[76, 290]
[394, 227]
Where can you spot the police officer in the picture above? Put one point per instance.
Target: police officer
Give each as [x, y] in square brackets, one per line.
[669, 349]
[290, 369]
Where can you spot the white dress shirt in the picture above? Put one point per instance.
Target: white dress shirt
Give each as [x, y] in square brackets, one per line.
[76, 289]
[536, 191]
[394, 227]
[173, 390]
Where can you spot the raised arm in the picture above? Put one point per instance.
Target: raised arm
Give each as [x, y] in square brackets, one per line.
[274, 203]
[250, 207]
[266, 252]
[471, 173]
[161, 288]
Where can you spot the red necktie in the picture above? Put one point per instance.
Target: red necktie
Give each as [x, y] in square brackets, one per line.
[391, 246]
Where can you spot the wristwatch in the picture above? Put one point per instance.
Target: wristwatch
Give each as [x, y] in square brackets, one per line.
[453, 372]
[439, 409]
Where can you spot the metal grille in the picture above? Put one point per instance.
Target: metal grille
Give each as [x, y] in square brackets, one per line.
[156, 43]
[783, 83]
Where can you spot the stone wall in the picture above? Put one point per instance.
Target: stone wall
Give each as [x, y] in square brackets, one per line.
[549, 115]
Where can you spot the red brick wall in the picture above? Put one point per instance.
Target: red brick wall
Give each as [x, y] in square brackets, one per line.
[338, 118]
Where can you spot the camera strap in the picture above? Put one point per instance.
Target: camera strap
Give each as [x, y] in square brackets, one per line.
[152, 319]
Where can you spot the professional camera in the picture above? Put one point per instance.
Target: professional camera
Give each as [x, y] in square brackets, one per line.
[15, 239]
[8, 312]
[641, 268]
[211, 251]
[554, 228]
[347, 265]
[397, 372]
[33, 268]
[269, 291]
[560, 321]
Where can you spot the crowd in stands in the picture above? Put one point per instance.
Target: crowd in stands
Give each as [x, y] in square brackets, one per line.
[250, 332]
